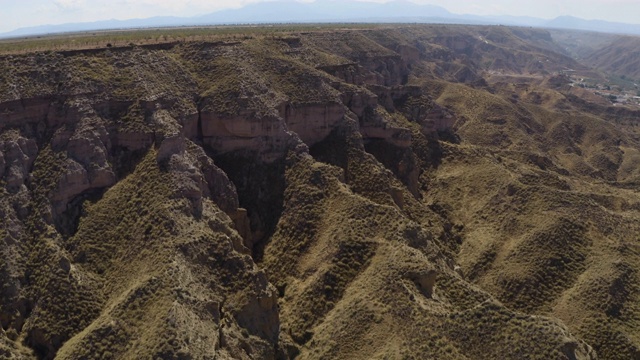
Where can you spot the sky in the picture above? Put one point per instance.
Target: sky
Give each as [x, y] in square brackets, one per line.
[24, 13]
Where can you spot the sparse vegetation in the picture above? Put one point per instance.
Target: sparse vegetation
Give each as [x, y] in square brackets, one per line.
[449, 195]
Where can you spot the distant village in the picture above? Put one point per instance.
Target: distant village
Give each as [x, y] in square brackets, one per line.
[623, 92]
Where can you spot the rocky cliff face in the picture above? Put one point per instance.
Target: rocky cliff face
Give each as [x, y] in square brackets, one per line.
[276, 197]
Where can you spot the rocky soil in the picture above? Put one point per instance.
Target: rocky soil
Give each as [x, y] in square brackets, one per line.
[407, 193]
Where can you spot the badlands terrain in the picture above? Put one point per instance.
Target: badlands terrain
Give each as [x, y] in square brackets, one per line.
[383, 192]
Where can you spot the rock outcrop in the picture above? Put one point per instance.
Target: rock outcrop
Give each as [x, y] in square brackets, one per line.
[306, 195]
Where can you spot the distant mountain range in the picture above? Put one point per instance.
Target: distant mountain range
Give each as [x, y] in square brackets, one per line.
[289, 11]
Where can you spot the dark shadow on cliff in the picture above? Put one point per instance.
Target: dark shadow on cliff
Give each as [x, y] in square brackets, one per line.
[333, 149]
[260, 188]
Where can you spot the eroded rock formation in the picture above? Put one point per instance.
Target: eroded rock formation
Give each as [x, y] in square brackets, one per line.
[288, 196]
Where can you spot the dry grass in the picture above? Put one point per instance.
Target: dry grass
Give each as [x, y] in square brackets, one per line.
[513, 238]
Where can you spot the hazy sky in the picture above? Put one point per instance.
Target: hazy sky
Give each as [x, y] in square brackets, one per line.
[23, 13]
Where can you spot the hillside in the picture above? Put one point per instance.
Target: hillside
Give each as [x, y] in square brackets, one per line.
[619, 57]
[405, 192]
[615, 55]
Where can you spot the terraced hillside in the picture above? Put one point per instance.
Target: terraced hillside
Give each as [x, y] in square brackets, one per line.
[387, 193]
